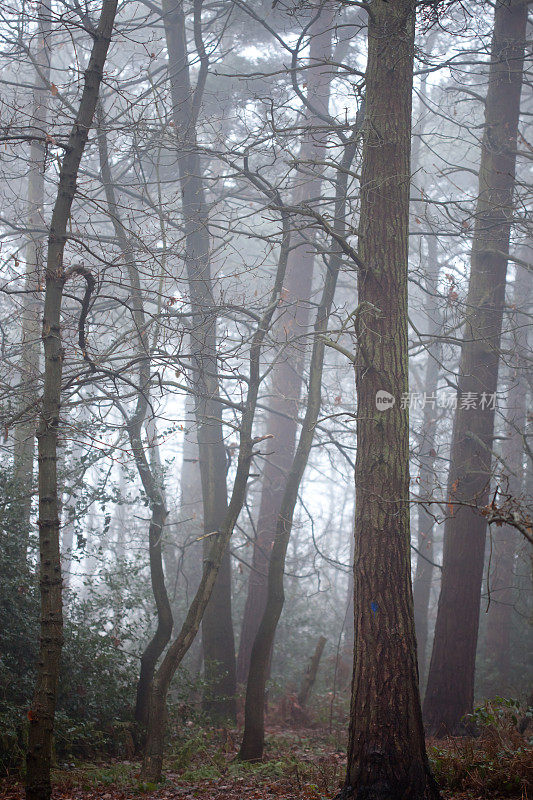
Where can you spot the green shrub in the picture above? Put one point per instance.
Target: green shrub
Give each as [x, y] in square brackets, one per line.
[97, 679]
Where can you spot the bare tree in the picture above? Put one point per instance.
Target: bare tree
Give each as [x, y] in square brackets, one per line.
[24, 450]
[43, 706]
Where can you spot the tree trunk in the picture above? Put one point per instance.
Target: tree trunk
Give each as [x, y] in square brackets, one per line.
[287, 373]
[386, 750]
[24, 450]
[426, 453]
[153, 757]
[150, 472]
[426, 450]
[311, 673]
[42, 710]
[450, 689]
[217, 625]
[162, 634]
[183, 549]
[502, 576]
[252, 744]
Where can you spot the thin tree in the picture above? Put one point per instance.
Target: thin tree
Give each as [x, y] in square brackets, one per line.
[24, 450]
[425, 562]
[287, 373]
[153, 755]
[42, 711]
[253, 739]
[502, 579]
[217, 627]
[149, 475]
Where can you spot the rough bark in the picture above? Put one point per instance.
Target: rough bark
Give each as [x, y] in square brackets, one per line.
[311, 672]
[24, 449]
[217, 625]
[450, 688]
[386, 749]
[42, 709]
[287, 373]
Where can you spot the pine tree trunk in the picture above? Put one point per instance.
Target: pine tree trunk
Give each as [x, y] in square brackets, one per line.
[450, 688]
[386, 749]
[42, 711]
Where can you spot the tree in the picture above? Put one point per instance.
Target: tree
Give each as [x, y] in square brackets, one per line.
[217, 626]
[42, 710]
[450, 688]
[502, 578]
[287, 372]
[386, 749]
[252, 744]
[149, 472]
[153, 755]
[425, 563]
[24, 451]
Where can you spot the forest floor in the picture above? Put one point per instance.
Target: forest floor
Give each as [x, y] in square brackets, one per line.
[303, 764]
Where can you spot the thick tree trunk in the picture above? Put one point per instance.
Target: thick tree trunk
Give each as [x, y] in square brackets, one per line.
[287, 374]
[386, 750]
[502, 574]
[217, 625]
[450, 688]
[42, 710]
[24, 450]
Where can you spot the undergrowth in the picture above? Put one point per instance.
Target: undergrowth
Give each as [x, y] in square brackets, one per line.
[309, 763]
[498, 762]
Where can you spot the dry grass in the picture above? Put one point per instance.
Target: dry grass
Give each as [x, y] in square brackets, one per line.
[497, 763]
